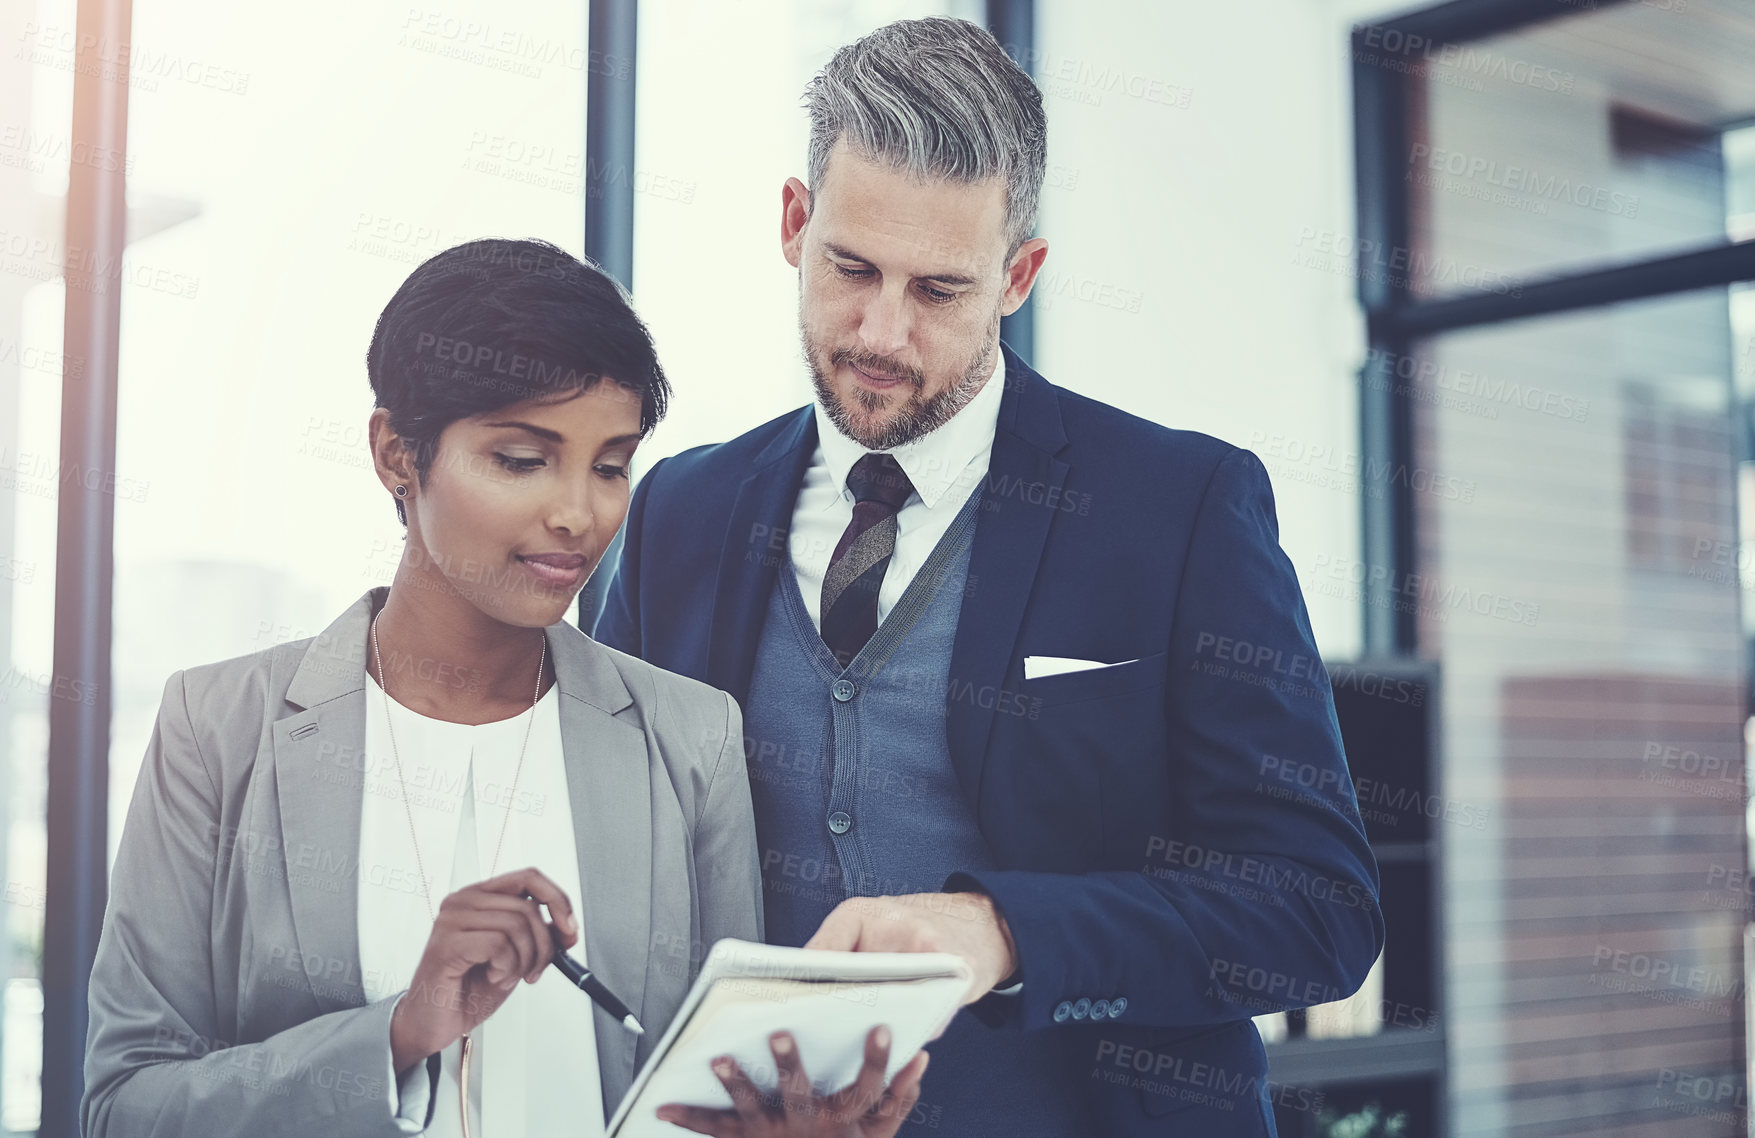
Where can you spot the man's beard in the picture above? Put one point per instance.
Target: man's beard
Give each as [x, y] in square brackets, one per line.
[917, 416]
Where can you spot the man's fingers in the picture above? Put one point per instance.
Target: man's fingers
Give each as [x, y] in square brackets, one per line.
[839, 931]
[702, 1120]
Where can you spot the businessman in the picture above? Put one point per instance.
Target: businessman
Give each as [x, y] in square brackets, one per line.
[1022, 675]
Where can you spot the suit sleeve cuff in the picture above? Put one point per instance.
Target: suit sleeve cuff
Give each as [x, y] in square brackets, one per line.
[413, 1096]
[1002, 1006]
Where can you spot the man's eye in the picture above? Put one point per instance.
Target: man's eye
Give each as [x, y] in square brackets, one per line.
[937, 295]
[856, 274]
[518, 465]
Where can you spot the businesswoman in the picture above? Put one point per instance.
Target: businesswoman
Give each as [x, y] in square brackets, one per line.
[348, 859]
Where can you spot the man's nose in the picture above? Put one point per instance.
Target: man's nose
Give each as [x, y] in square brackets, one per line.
[884, 330]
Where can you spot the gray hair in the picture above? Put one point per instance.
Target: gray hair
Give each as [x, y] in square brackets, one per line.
[940, 97]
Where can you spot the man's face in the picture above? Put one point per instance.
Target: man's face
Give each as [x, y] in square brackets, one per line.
[901, 286]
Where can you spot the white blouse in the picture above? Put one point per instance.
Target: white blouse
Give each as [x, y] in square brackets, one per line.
[534, 1064]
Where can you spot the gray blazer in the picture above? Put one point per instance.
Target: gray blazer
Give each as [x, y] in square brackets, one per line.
[226, 997]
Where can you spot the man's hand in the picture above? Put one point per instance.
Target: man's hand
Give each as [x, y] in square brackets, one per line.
[966, 924]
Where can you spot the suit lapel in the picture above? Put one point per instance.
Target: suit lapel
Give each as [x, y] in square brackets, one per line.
[1023, 483]
[754, 547]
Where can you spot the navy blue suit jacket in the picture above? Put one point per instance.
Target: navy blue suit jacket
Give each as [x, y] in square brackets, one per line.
[1180, 832]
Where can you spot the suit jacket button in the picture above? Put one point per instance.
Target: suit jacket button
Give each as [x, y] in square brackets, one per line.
[1062, 1011]
[844, 690]
[1117, 1006]
[1082, 1008]
[840, 821]
[1099, 1009]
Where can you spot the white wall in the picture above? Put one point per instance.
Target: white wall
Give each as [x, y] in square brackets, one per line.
[1190, 146]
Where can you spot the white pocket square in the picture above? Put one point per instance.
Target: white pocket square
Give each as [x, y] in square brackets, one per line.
[1036, 667]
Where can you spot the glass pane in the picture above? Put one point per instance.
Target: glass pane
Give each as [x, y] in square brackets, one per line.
[36, 100]
[708, 275]
[1594, 695]
[275, 209]
[1595, 138]
[1172, 237]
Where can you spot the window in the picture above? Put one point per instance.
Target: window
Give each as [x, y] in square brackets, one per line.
[1559, 344]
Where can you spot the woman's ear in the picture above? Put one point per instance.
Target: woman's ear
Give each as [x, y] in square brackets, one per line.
[390, 455]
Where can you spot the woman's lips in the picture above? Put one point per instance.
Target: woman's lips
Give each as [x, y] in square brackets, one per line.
[561, 570]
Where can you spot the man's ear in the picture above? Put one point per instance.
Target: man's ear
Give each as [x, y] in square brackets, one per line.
[1020, 275]
[794, 214]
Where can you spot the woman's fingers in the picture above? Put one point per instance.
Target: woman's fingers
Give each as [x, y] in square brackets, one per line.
[526, 908]
[467, 948]
[702, 1120]
[865, 1107]
[512, 927]
[898, 1102]
[868, 1088]
[744, 1095]
[536, 883]
[795, 1089]
[910, 1075]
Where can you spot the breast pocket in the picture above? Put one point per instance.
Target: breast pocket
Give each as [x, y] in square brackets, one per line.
[1097, 683]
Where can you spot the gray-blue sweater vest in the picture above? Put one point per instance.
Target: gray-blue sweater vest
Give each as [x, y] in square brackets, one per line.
[855, 795]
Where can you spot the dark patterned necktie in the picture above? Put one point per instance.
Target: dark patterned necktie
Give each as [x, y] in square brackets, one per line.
[850, 588]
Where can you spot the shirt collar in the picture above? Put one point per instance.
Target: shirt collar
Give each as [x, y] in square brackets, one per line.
[936, 461]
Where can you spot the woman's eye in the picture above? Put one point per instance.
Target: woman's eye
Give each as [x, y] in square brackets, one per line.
[609, 470]
[518, 465]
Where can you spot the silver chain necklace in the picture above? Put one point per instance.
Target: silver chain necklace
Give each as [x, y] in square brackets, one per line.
[425, 888]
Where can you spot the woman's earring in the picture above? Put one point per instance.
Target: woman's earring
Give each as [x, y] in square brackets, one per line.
[401, 490]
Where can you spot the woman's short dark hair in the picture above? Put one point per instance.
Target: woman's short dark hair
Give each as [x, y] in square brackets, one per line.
[494, 322]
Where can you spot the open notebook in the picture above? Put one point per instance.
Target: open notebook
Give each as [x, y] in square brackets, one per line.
[828, 1000]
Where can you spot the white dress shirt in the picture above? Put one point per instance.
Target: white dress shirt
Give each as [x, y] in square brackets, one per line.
[944, 465]
[533, 1069]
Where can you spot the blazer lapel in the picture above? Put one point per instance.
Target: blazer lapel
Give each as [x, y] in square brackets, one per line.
[318, 764]
[1023, 479]
[754, 547]
[608, 782]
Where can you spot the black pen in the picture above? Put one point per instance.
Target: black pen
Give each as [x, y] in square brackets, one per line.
[581, 977]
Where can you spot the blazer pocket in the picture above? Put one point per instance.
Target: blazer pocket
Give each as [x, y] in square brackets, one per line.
[1098, 683]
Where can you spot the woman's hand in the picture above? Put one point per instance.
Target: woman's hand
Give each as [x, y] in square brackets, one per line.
[864, 1110]
[486, 937]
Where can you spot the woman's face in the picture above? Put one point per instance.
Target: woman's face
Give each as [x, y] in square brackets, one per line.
[521, 502]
